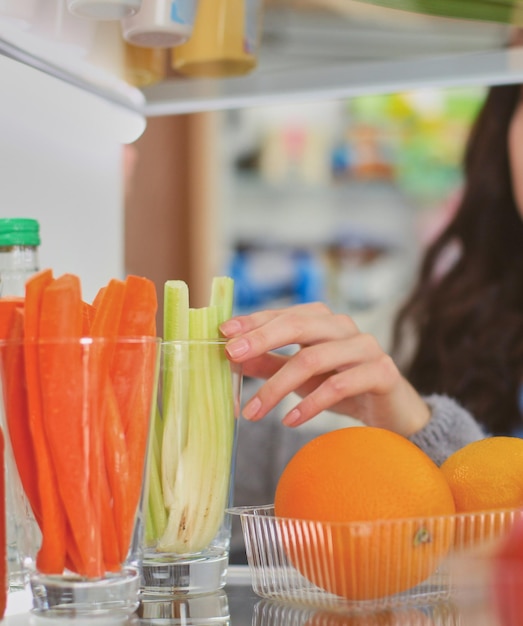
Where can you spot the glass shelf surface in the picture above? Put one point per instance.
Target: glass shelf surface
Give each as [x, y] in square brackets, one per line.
[314, 49]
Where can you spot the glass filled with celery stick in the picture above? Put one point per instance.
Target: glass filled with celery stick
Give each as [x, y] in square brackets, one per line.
[192, 449]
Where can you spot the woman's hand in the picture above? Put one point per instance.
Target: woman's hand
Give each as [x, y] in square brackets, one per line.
[335, 367]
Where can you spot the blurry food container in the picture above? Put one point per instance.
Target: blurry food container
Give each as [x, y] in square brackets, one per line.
[144, 66]
[104, 9]
[224, 41]
[60, 31]
[20, 12]
[107, 53]
[161, 23]
[293, 561]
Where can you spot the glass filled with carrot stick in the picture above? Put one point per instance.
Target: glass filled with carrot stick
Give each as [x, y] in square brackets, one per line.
[79, 384]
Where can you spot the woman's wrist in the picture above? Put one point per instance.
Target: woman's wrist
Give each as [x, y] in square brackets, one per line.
[414, 413]
[449, 428]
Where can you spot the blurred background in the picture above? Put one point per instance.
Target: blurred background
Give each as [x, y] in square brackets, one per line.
[328, 201]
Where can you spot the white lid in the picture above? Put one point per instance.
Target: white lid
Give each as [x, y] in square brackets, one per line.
[160, 23]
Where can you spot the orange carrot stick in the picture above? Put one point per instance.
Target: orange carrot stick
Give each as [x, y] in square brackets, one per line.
[132, 373]
[110, 542]
[33, 301]
[67, 407]
[108, 309]
[138, 427]
[98, 297]
[94, 390]
[106, 321]
[73, 560]
[118, 465]
[138, 319]
[51, 556]
[87, 318]
[140, 306]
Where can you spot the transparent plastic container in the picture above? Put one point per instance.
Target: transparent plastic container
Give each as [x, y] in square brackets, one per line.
[267, 613]
[297, 561]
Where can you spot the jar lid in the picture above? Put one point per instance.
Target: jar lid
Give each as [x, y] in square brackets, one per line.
[19, 231]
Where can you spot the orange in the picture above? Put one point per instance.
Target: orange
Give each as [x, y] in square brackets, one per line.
[385, 509]
[486, 474]
[486, 480]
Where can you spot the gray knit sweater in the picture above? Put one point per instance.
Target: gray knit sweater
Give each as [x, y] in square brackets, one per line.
[265, 447]
[450, 428]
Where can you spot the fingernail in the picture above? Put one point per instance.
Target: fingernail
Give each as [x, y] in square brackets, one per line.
[230, 327]
[292, 418]
[237, 348]
[251, 409]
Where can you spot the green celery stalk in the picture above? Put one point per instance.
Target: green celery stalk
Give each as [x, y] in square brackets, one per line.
[161, 475]
[201, 464]
[156, 518]
[176, 310]
[222, 296]
[191, 493]
[176, 328]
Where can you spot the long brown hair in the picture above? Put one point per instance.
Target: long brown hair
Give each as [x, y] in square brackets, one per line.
[468, 323]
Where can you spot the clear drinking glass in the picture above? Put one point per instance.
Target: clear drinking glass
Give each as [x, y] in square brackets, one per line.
[77, 414]
[190, 471]
[204, 609]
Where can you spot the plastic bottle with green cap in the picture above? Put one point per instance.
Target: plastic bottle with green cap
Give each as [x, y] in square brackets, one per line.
[19, 246]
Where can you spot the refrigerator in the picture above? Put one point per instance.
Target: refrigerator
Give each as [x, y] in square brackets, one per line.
[125, 178]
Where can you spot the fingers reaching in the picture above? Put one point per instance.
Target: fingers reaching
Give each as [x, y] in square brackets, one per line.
[325, 375]
[304, 325]
[323, 357]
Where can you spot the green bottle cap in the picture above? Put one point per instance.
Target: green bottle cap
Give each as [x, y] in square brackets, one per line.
[19, 231]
